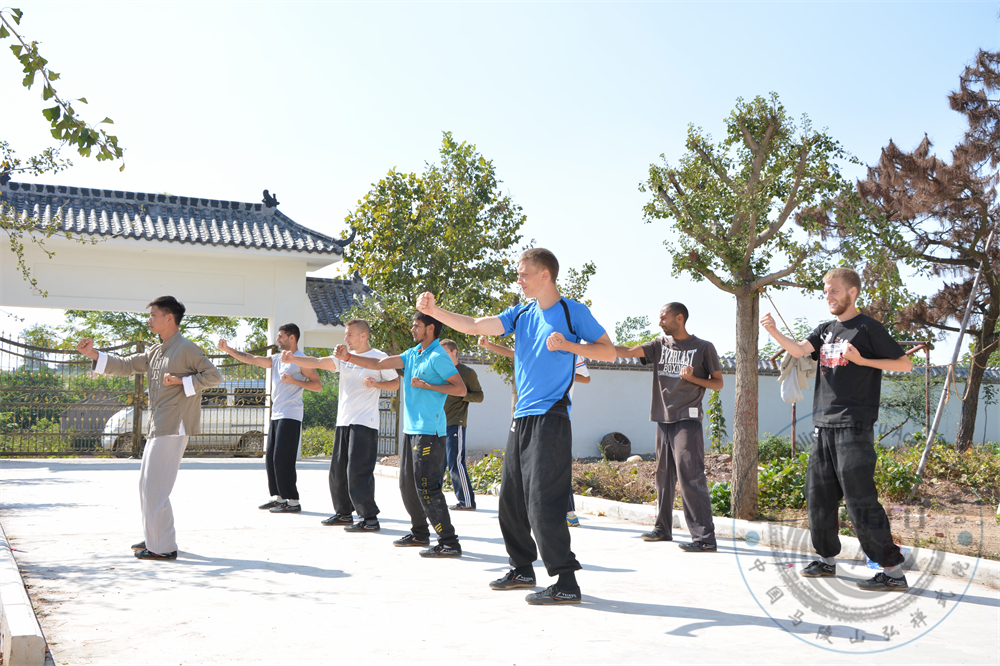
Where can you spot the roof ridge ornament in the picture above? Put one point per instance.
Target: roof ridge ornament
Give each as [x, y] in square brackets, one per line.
[344, 242]
[270, 201]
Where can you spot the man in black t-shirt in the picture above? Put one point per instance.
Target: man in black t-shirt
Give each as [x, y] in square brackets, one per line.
[852, 351]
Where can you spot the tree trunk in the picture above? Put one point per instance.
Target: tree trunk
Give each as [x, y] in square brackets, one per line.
[744, 484]
[967, 422]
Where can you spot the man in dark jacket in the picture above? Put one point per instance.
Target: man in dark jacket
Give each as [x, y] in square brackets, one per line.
[456, 410]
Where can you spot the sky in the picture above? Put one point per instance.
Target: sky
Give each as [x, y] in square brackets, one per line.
[572, 102]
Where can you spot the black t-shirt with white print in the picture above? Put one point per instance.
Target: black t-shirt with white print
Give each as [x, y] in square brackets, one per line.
[847, 393]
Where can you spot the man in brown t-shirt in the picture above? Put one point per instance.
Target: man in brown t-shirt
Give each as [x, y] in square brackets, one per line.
[685, 366]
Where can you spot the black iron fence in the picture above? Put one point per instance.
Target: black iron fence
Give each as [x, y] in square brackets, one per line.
[51, 404]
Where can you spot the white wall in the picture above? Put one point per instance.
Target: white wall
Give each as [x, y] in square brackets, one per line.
[619, 401]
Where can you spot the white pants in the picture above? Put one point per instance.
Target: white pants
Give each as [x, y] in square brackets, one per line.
[160, 461]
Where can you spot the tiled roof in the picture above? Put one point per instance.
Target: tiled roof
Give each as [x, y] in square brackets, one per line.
[164, 217]
[331, 298]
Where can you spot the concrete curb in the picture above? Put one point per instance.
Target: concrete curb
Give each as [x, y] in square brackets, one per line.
[21, 636]
[961, 567]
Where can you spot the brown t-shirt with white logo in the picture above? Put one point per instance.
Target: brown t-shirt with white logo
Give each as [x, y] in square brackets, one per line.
[674, 398]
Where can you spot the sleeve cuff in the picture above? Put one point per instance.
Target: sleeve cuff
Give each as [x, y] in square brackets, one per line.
[102, 363]
[188, 386]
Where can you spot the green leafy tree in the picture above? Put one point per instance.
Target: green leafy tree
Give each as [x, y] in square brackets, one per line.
[451, 231]
[717, 431]
[634, 331]
[205, 331]
[758, 210]
[67, 127]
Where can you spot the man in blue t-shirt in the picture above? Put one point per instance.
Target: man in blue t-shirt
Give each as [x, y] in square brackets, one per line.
[537, 463]
[429, 377]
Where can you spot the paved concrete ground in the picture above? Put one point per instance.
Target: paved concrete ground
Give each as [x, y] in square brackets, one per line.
[252, 587]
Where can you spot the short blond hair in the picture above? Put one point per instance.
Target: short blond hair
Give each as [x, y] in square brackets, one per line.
[448, 343]
[544, 260]
[847, 276]
[361, 325]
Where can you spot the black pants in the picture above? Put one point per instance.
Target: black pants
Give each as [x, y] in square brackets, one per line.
[420, 485]
[352, 470]
[680, 455]
[279, 458]
[537, 468]
[842, 466]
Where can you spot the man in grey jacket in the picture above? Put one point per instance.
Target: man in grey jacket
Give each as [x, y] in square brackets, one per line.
[177, 371]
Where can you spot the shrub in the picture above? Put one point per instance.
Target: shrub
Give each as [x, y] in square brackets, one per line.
[485, 474]
[782, 484]
[773, 448]
[317, 441]
[721, 499]
[617, 481]
[892, 475]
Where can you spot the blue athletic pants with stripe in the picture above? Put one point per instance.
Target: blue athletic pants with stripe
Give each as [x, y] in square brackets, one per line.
[455, 465]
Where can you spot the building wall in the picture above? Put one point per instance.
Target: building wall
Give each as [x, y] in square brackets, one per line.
[619, 401]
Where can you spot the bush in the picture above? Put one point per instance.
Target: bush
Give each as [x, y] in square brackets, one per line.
[617, 481]
[319, 409]
[485, 474]
[782, 484]
[773, 448]
[317, 441]
[721, 499]
[892, 475]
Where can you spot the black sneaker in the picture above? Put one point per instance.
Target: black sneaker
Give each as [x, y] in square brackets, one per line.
[441, 550]
[511, 581]
[884, 583]
[697, 547]
[270, 505]
[553, 595]
[461, 507]
[338, 519]
[410, 541]
[656, 535]
[285, 507]
[363, 526]
[150, 555]
[139, 546]
[819, 569]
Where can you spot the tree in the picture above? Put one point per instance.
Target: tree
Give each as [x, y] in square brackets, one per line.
[67, 127]
[634, 331]
[451, 231]
[111, 327]
[945, 212]
[731, 204]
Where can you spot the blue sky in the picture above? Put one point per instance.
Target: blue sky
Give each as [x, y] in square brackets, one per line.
[572, 102]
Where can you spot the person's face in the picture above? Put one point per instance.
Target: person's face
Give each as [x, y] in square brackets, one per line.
[453, 353]
[838, 296]
[284, 341]
[160, 321]
[353, 337]
[670, 321]
[530, 278]
[420, 331]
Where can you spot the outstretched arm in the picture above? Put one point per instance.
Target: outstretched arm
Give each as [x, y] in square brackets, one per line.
[602, 350]
[461, 323]
[387, 363]
[485, 343]
[629, 352]
[793, 347]
[249, 359]
[309, 362]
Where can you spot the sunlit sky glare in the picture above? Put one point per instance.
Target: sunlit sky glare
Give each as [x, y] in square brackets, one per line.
[572, 101]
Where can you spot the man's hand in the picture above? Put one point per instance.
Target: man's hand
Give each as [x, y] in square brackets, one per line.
[687, 372]
[767, 321]
[425, 302]
[555, 342]
[286, 357]
[419, 383]
[341, 353]
[172, 380]
[483, 341]
[86, 347]
[223, 345]
[287, 378]
[369, 382]
[852, 354]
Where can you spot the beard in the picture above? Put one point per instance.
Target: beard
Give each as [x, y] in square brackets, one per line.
[838, 308]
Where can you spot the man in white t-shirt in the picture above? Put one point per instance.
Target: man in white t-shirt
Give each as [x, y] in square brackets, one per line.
[287, 384]
[355, 444]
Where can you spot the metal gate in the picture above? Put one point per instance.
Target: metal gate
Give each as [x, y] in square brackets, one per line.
[388, 423]
[51, 404]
